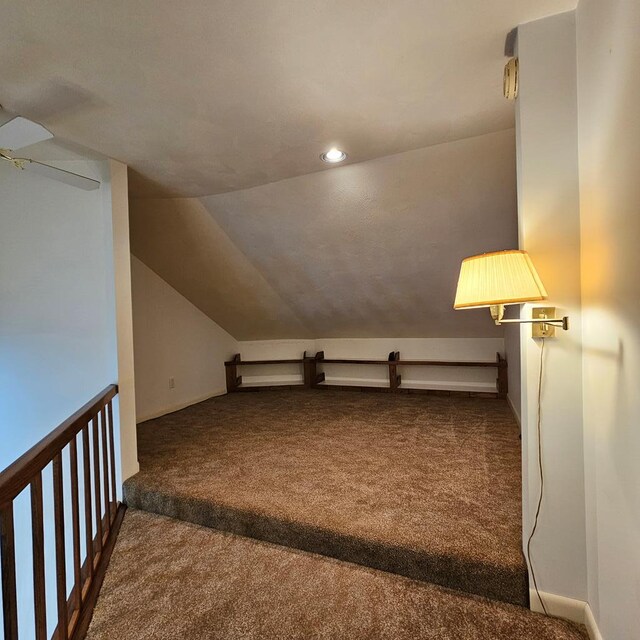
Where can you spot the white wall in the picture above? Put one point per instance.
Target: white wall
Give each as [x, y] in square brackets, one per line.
[173, 339]
[587, 103]
[57, 314]
[462, 349]
[609, 145]
[57, 328]
[549, 228]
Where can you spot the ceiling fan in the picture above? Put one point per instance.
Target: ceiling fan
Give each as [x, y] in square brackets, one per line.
[21, 132]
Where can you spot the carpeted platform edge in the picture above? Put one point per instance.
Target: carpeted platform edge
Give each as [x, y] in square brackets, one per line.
[461, 574]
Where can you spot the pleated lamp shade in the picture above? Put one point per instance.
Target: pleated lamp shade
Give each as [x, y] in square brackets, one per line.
[503, 277]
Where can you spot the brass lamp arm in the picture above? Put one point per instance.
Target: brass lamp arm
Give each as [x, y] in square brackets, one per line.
[557, 322]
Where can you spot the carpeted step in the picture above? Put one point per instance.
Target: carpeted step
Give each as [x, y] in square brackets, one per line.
[427, 488]
[170, 579]
[472, 573]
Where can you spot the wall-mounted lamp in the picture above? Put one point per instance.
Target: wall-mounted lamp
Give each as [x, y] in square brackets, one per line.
[505, 277]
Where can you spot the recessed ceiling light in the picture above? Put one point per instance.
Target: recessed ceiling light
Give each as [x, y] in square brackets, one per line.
[333, 155]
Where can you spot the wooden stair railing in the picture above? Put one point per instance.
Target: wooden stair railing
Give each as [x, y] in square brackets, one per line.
[102, 516]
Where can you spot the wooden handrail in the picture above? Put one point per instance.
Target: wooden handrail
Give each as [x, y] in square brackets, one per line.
[18, 475]
[102, 517]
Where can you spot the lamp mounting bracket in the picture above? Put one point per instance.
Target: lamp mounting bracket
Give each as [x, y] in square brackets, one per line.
[543, 321]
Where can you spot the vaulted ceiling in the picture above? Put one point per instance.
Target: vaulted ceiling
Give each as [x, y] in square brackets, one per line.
[366, 250]
[221, 109]
[201, 97]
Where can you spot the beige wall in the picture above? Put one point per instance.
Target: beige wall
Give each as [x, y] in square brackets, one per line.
[609, 144]
[173, 339]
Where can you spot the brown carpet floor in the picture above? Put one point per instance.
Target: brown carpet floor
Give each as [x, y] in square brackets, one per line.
[422, 486]
[174, 580]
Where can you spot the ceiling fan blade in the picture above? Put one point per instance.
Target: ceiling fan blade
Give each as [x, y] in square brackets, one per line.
[68, 177]
[20, 132]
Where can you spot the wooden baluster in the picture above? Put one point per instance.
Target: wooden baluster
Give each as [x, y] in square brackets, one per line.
[74, 613]
[75, 525]
[61, 576]
[112, 453]
[88, 525]
[8, 564]
[96, 480]
[105, 469]
[37, 540]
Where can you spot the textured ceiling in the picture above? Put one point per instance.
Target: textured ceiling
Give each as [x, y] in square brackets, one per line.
[178, 239]
[202, 97]
[365, 250]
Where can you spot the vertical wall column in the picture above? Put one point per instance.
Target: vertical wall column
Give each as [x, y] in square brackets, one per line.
[549, 229]
[124, 320]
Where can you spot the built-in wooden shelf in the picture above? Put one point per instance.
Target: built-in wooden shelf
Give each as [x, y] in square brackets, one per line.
[313, 379]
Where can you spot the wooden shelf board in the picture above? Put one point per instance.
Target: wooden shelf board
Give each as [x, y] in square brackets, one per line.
[409, 363]
[252, 362]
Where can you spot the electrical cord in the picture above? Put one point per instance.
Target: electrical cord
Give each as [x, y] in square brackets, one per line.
[541, 472]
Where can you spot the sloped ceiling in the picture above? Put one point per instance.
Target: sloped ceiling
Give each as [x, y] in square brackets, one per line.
[227, 105]
[201, 97]
[365, 250]
[179, 240]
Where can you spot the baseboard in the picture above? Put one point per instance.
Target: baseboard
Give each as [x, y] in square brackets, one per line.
[131, 472]
[513, 410]
[558, 606]
[591, 624]
[181, 405]
[568, 608]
